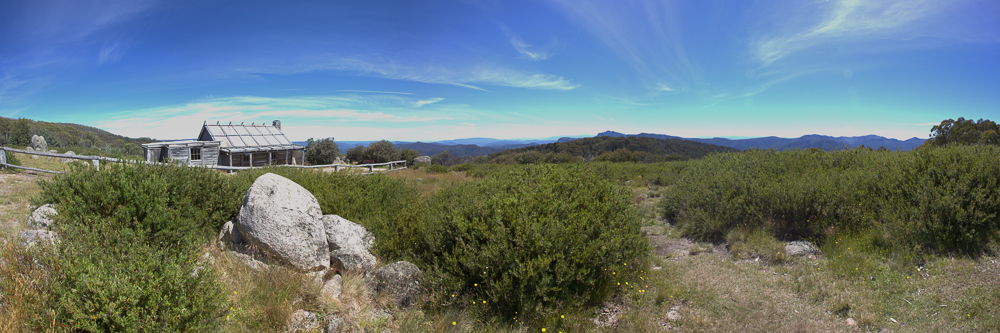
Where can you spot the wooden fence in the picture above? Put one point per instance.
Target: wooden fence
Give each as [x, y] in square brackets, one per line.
[96, 161]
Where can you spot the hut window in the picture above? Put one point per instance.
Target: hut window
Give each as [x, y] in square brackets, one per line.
[246, 158]
[195, 154]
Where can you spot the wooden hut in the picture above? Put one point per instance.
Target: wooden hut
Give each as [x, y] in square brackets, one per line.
[201, 153]
[252, 145]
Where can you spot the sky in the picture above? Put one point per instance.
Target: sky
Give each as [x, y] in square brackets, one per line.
[435, 70]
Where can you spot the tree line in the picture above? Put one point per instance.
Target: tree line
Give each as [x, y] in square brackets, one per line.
[18, 133]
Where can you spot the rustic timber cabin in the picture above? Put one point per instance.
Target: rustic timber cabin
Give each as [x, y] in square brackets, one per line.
[200, 153]
[252, 145]
[230, 145]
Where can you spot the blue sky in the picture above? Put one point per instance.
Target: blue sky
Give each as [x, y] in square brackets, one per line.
[436, 70]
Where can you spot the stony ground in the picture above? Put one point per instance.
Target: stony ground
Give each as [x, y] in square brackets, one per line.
[726, 294]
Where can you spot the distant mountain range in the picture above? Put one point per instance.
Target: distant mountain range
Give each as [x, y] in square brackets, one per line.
[804, 142]
[486, 146]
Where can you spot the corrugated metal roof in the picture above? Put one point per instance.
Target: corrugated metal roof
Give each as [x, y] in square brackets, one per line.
[241, 137]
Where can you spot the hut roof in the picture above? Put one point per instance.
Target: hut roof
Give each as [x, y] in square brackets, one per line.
[236, 138]
[180, 143]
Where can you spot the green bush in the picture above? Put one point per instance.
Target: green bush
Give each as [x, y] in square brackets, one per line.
[946, 199]
[12, 159]
[462, 167]
[436, 168]
[533, 237]
[132, 236]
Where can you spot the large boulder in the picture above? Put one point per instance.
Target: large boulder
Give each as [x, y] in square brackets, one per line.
[401, 281]
[422, 159]
[38, 142]
[41, 218]
[282, 220]
[349, 244]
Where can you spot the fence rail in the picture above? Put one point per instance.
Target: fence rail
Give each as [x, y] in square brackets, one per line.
[95, 160]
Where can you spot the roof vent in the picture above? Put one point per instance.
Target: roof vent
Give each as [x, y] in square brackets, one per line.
[277, 124]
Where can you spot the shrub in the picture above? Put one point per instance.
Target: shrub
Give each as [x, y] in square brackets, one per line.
[533, 237]
[946, 199]
[436, 168]
[12, 159]
[131, 239]
[409, 155]
[462, 167]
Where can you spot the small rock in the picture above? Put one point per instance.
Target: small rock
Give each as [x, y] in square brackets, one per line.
[41, 218]
[331, 288]
[303, 321]
[250, 261]
[400, 280]
[335, 323]
[67, 160]
[229, 237]
[851, 322]
[801, 248]
[674, 315]
[32, 237]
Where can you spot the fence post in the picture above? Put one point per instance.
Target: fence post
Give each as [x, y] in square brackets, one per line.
[3, 158]
[336, 168]
[97, 164]
[371, 168]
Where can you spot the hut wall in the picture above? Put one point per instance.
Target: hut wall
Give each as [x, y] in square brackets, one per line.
[209, 155]
[152, 154]
[178, 153]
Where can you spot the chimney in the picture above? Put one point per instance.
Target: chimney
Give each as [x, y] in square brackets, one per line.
[277, 124]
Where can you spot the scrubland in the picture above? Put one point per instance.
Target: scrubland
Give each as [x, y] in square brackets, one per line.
[909, 242]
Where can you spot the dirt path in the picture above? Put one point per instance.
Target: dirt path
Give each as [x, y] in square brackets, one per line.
[15, 190]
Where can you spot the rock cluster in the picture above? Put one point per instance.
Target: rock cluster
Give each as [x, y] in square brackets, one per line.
[281, 224]
[422, 159]
[40, 221]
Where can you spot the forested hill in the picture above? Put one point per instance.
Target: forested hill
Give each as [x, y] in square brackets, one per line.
[636, 149]
[18, 132]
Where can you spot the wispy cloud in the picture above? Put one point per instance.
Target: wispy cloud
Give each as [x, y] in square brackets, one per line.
[468, 76]
[645, 35]
[663, 87]
[378, 92]
[111, 53]
[849, 21]
[526, 50]
[165, 122]
[427, 101]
